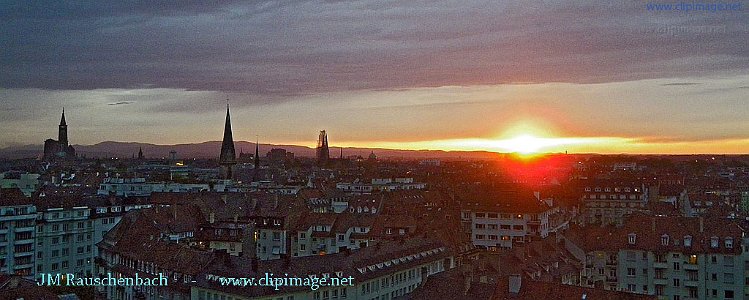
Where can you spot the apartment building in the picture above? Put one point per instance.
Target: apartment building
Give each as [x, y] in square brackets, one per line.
[670, 257]
[609, 201]
[17, 234]
[502, 218]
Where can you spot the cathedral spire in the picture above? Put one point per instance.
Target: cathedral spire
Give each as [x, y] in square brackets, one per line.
[228, 156]
[62, 120]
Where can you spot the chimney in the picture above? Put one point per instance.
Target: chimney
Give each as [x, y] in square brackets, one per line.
[515, 284]
[212, 218]
[702, 224]
[467, 282]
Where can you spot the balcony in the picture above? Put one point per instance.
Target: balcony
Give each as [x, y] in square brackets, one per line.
[25, 229]
[23, 266]
[660, 265]
[691, 283]
[691, 266]
[24, 241]
[25, 253]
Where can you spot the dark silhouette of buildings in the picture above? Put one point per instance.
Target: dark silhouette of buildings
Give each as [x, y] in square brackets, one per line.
[228, 157]
[59, 148]
[323, 152]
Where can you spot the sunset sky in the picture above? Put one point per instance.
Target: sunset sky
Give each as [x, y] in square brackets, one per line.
[554, 76]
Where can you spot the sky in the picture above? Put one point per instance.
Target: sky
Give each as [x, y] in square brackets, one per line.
[550, 76]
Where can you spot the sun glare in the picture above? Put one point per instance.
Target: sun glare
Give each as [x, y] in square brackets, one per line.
[525, 144]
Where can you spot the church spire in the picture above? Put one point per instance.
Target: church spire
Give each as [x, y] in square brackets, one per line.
[228, 156]
[257, 153]
[62, 120]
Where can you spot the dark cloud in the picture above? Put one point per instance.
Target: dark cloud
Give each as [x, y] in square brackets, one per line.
[300, 47]
[121, 103]
[679, 84]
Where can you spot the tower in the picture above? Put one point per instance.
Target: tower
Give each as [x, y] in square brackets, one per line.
[323, 153]
[62, 135]
[228, 158]
[257, 154]
[140, 153]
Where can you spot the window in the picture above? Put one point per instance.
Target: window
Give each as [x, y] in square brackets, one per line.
[688, 241]
[664, 240]
[632, 238]
[728, 278]
[729, 243]
[692, 259]
[677, 282]
[480, 226]
[714, 242]
[631, 272]
[677, 265]
[728, 261]
[728, 294]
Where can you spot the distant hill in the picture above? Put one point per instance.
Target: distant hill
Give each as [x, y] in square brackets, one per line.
[211, 150]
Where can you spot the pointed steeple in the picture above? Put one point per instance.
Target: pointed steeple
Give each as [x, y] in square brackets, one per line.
[257, 153]
[228, 156]
[140, 153]
[62, 120]
[62, 133]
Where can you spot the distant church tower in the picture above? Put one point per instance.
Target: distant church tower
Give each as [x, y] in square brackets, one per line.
[59, 148]
[323, 153]
[62, 135]
[228, 157]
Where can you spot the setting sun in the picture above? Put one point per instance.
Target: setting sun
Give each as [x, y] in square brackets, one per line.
[525, 144]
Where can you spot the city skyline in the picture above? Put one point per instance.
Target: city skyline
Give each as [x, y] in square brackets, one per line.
[541, 77]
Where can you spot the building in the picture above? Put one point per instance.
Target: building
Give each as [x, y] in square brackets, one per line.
[383, 271]
[322, 150]
[68, 228]
[27, 183]
[503, 218]
[59, 148]
[17, 233]
[18, 287]
[381, 184]
[228, 157]
[671, 257]
[610, 201]
[64, 237]
[139, 187]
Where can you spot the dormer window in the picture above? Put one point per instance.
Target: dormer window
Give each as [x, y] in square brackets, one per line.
[608, 189]
[598, 189]
[688, 241]
[587, 189]
[664, 240]
[729, 243]
[714, 242]
[632, 238]
[627, 190]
